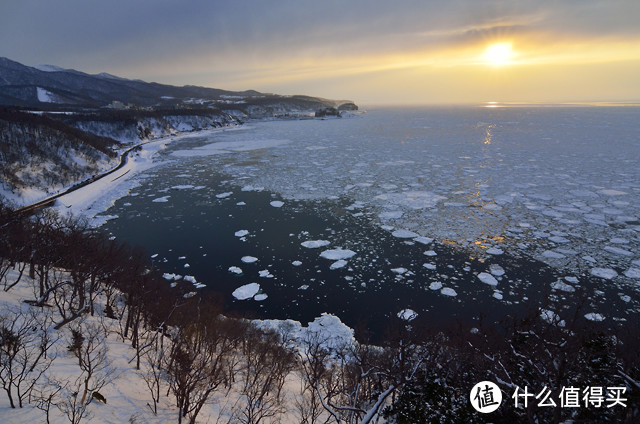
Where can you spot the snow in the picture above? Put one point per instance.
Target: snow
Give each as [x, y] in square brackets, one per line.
[487, 279]
[606, 273]
[314, 244]
[337, 254]
[407, 315]
[45, 96]
[246, 292]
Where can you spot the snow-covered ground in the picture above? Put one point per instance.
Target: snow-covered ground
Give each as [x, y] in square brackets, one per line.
[127, 395]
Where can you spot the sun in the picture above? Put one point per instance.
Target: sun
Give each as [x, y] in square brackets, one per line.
[498, 54]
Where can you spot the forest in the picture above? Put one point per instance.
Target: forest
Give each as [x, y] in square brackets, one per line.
[188, 350]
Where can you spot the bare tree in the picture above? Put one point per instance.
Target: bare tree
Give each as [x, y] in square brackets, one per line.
[266, 365]
[24, 347]
[87, 344]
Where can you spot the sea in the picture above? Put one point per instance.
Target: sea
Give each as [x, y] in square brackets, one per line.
[439, 215]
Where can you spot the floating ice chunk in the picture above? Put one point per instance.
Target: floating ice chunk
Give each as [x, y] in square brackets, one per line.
[496, 270]
[260, 297]
[338, 264]
[562, 286]
[235, 270]
[429, 266]
[633, 273]
[495, 251]
[390, 215]
[241, 233]
[251, 188]
[169, 277]
[240, 204]
[619, 240]
[559, 239]
[182, 187]
[589, 259]
[163, 199]
[618, 251]
[487, 279]
[497, 294]
[551, 317]
[552, 255]
[296, 263]
[187, 266]
[436, 285]
[572, 280]
[606, 273]
[404, 234]
[430, 253]
[448, 291]
[155, 255]
[407, 314]
[224, 195]
[412, 199]
[592, 316]
[303, 287]
[265, 273]
[492, 207]
[246, 292]
[249, 259]
[276, 203]
[423, 240]
[399, 270]
[611, 192]
[337, 254]
[188, 295]
[314, 244]
[636, 262]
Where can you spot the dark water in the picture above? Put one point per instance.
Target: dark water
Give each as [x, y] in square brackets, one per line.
[420, 153]
[200, 227]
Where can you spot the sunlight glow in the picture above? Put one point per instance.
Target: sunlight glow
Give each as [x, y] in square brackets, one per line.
[498, 54]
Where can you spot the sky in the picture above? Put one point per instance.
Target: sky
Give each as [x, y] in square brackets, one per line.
[371, 52]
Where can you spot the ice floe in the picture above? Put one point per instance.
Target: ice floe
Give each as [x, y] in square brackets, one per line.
[448, 291]
[407, 314]
[337, 254]
[606, 273]
[246, 292]
[249, 259]
[487, 279]
[314, 244]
